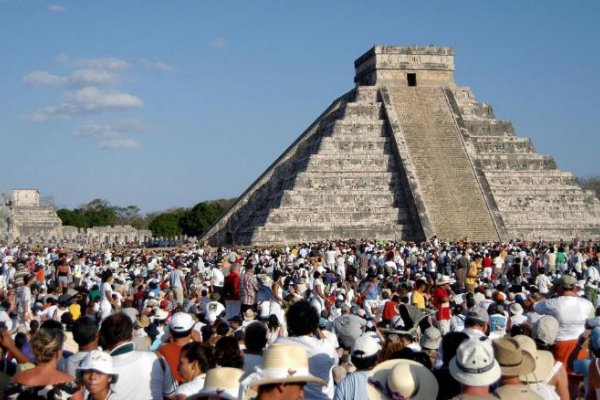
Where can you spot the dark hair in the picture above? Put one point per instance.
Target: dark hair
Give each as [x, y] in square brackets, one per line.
[115, 328]
[84, 330]
[302, 318]
[179, 335]
[256, 337]
[20, 340]
[222, 329]
[273, 322]
[362, 363]
[449, 345]
[106, 275]
[227, 353]
[195, 351]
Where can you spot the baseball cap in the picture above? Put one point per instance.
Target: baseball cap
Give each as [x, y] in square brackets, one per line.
[99, 361]
[477, 314]
[567, 282]
[181, 322]
[364, 346]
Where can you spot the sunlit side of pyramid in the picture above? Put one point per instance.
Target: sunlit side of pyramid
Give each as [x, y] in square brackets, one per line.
[407, 154]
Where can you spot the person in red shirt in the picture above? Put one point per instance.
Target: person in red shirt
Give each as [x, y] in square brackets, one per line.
[231, 292]
[441, 301]
[180, 329]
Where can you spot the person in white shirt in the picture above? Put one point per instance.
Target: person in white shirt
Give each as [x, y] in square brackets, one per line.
[142, 375]
[303, 322]
[571, 312]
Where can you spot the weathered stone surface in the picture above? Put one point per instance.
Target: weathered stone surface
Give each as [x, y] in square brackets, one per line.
[23, 219]
[408, 154]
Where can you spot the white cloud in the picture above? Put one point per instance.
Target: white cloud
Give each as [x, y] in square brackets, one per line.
[219, 43]
[57, 8]
[77, 78]
[107, 63]
[92, 77]
[92, 99]
[112, 135]
[159, 66]
[88, 100]
[50, 113]
[43, 78]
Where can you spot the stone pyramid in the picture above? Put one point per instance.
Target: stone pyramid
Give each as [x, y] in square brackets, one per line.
[408, 154]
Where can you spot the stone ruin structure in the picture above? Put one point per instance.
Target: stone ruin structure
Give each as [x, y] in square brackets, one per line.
[23, 219]
[408, 154]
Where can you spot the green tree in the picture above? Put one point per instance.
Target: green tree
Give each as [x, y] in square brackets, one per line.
[197, 220]
[72, 217]
[166, 225]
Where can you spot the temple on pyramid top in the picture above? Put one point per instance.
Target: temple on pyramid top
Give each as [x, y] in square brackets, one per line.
[405, 66]
[407, 154]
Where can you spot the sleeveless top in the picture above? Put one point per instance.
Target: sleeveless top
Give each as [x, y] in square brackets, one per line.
[62, 391]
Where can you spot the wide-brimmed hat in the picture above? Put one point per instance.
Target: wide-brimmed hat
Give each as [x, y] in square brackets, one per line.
[142, 321]
[513, 360]
[544, 360]
[394, 378]
[431, 339]
[545, 329]
[474, 363]
[222, 383]
[98, 361]
[442, 280]
[282, 363]
[249, 315]
[516, 309]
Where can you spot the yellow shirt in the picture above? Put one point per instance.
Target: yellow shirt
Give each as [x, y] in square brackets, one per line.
[418, 299]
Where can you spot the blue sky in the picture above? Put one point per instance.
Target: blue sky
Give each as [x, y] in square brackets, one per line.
[166, 103]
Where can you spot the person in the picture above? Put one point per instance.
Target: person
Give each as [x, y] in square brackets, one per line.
[44, 379]
[255, 340]
[441, 301]
[401, 379]
[220, 384]
[85, 334]
[283, 375]
[248, 287]
[318, 299]
[24, 301]
[177, 280]
[476, 322]
[364, 354]
[97, 374]
[514, 362]
[539, 380]
[180, 327]
[152, 376]
[348, 327]
[231, 292]
[193, 364]
[106, 292]
[571, 312]
[418, 295]
[303, 323]
[475, 368]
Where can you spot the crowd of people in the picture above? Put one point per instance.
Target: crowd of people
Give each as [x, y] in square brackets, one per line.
[351, 319]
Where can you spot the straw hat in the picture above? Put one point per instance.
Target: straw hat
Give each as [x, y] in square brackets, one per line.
[249, 315]
[282, 363]
[401, 377]
[222, 383]
[513, 360]
[442, 280]
[544, 360]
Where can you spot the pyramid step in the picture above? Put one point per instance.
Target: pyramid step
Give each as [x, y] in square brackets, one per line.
[366, 94]
[489, 127]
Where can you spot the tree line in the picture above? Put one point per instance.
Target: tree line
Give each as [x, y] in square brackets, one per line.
[174, 222]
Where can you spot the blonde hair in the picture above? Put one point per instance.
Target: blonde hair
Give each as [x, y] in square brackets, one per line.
[46, 342]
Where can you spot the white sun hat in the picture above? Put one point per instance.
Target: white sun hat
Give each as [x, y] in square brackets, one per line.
[220, 383]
